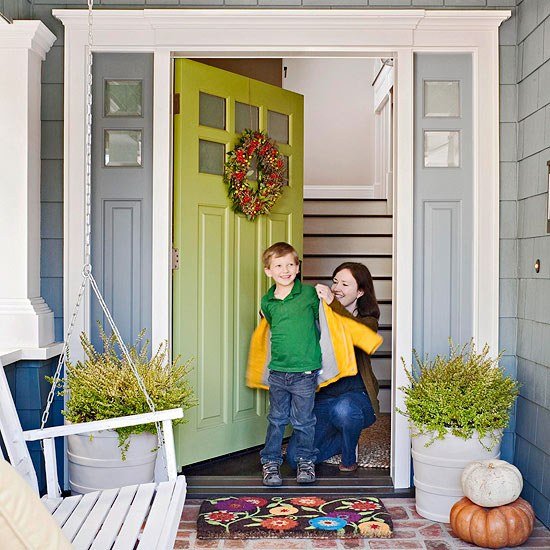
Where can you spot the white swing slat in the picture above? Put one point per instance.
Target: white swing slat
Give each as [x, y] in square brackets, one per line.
[134, 520]
[79, 515]
[52, 504]
[157, 515]
[63, 513]
[94, 520]
[117, 514]
[173, 516]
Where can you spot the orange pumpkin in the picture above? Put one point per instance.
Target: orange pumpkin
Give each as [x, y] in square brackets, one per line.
[508, 525]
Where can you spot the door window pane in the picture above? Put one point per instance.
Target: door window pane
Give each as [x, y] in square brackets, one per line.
[277, 126]
[211, 111]
[441, 98]
[123, 98]
[211, 157]
[122, 147]
[287, 170]
[246, 116]
[441, 149]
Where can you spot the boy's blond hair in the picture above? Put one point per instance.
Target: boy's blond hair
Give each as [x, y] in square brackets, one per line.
[276, 251]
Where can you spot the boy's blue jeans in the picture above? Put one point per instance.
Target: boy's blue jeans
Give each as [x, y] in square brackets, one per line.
[340, 421]
[291, 398]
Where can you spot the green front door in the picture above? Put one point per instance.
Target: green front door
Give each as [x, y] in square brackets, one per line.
[220, 280]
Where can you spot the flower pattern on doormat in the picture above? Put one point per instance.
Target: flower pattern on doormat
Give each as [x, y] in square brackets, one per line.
[278, 517]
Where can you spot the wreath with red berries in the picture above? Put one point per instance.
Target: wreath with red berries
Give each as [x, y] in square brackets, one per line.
[249, 199]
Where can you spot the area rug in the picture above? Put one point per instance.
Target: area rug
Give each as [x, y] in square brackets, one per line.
[293, 517]
[374, 445]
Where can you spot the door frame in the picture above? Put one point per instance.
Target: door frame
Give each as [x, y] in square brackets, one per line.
[169, 33]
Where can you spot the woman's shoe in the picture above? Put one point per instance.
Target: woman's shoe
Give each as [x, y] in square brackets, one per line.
[351, 468]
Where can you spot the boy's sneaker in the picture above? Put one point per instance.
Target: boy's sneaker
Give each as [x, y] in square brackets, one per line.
[272, 475]
[306, 472]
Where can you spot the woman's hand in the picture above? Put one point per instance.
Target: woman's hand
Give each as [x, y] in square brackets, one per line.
[324, 293]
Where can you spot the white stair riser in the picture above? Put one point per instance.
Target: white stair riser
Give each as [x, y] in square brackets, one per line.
[321, 267]
[386, 344]
[359, 226]
[348, 245]
[382, 288]
[345, 207]
[381, 367]
[384, 398]
[385, 314]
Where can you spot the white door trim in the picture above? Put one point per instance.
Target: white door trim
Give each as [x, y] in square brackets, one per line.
[296, 33]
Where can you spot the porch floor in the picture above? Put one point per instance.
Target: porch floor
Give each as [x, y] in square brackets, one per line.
[410, 531]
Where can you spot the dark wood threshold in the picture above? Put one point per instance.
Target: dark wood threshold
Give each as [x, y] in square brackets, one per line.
[240, 474]
[213, 487]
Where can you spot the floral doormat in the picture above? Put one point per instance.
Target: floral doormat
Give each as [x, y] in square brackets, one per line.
[296, 517]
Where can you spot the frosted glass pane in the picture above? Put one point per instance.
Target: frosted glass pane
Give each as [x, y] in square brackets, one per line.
[441, 98]
[287, 170]
[211, 111]
[246, 116]
[123, 98]
[211, 157]
[277, 126]
[123, 147]
[441, 149]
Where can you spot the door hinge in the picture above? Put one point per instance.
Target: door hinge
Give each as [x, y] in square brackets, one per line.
[175, 258]
[176, 104]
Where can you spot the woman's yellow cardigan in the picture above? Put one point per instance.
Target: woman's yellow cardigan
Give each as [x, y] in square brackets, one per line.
[338, 336]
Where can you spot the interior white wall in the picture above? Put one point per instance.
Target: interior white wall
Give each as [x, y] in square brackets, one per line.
[338, 119]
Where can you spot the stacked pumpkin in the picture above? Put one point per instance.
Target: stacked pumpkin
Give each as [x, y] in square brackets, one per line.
[491, 514]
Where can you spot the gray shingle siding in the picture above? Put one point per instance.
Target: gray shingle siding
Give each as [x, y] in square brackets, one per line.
[532, 450]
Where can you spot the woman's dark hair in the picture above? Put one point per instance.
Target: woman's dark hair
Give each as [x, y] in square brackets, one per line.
[367, 306]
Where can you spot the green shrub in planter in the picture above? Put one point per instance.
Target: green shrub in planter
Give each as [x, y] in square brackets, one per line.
[103, 385]
[463, 393]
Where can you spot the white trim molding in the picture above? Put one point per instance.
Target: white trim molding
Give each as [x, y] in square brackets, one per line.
[26, 321]
[296, 33]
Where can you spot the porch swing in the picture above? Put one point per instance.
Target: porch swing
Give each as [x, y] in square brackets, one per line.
[111, 518]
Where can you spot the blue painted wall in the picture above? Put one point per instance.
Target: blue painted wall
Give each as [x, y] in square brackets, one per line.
[29, 387]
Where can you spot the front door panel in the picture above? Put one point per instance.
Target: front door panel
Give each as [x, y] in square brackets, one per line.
[220, 281]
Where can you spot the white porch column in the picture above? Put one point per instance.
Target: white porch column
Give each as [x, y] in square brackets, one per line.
[26, 321]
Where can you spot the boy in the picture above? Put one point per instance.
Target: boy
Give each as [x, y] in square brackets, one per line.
[291, 310]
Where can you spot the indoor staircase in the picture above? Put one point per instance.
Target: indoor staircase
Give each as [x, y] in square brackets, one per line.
[345, 230]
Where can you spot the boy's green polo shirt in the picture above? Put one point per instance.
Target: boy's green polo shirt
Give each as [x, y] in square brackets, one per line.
[294, 334]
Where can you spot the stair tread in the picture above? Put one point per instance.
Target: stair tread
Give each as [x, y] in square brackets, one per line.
[326, 199]
[374, 277]
[366, 235]
[386, 216]
[347, 255]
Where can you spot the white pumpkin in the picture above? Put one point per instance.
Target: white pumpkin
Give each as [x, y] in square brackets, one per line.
[492, 482]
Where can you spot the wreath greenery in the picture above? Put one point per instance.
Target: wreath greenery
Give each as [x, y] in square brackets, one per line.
[248, 199]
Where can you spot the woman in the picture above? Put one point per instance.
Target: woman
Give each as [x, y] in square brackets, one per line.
[346, 407]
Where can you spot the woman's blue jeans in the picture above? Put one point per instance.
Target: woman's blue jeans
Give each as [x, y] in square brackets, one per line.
[340, 421]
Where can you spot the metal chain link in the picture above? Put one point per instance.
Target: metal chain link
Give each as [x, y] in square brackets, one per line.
[87, 276]
[64, 354]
